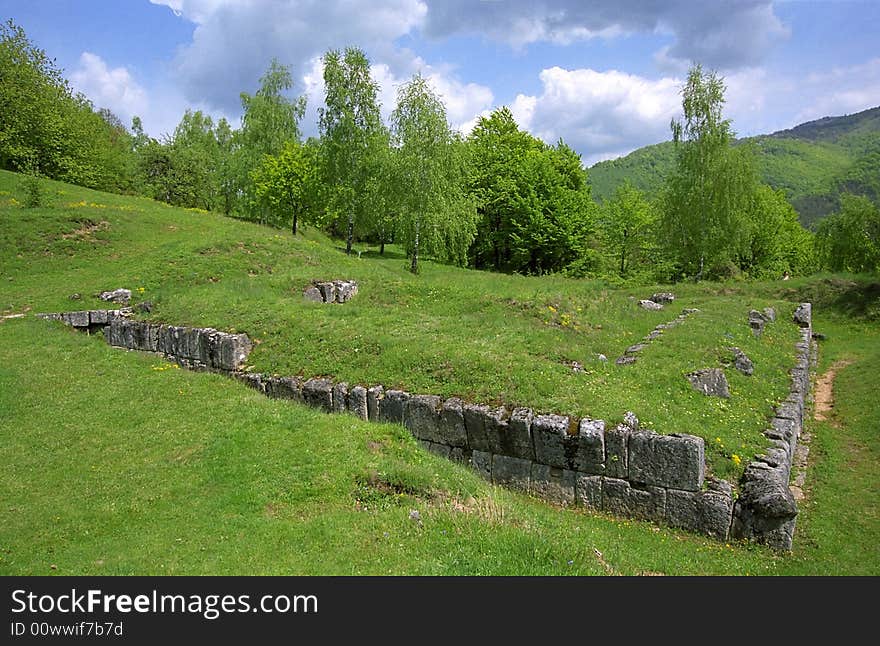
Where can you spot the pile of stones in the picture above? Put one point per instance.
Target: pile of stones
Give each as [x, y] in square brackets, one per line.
[334, 291]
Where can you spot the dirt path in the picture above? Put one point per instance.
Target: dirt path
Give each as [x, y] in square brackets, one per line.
[824, 396]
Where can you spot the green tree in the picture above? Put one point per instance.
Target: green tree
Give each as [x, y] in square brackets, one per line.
[712, 184]
[628, 227]
[536, 213]
[436, 217]
[850, 239]
[289, 184]
[351, 133]
[270, 120]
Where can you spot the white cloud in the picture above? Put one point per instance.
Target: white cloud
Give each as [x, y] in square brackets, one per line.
[599, 114]
[113, 88]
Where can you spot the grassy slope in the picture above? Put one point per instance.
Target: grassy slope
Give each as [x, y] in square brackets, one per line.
[113, 465]
[481, 336]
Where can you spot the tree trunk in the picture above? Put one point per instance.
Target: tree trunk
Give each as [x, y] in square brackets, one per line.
[414, 268]
[294, 223]
[350, 233]
[382, 247]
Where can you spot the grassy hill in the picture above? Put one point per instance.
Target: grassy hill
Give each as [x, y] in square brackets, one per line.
[111, 463]
[813, 163]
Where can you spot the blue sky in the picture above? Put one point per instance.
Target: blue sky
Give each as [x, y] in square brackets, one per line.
[604, 75]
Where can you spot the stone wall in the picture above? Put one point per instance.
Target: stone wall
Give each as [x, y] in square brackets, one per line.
[766, 510]
[622, 469]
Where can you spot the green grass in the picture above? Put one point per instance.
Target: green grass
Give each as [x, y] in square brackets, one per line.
[113, 465]
[484, 337]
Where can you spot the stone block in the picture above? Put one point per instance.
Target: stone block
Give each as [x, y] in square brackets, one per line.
[230, 352]
[485, 427]
[437, 449]
[674, 461]
[710, 382]
[285, 388]
[549, 433]
[392, 405]
[76, 319]
[663, 297]
[318, 393]
[252, 380]
[421, 416]
[481, 462]
[703, 512]
[451, 427]
[552, 484]
[459, 454]
[328, 291]
[769, 314]
[345, 290]
[650, 305]
[357, 402]
[374, 396]
[340, 397]
[616, 453]
[587, 454]
[145, 336]
[588, 489]
[514, 473]
[98, 317]
[620, 498]
[516, 440]
[766, 510]
[803, 315]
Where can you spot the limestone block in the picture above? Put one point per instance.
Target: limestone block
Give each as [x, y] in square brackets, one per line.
[516, 440]
[803, 315]
[552, 484]
[319, 394]
[674, 461]
[481, 462]
[451, 429]
[511, 472]
[421, 416]
[620, 498]
[710, 382]
[340, 397]
[98, 317]
[587, 454]
[549, 433]
[391, 406]
[616, 453]
[357, 402]
[588, 489]
[374, 396]
[703, 512]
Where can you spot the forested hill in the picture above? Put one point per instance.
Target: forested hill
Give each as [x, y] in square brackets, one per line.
[813, 162]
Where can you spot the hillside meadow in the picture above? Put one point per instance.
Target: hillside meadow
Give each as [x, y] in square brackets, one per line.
[115, 464]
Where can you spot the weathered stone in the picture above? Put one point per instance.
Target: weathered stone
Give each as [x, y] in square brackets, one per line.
[328, 291]
[588, 452]
[459, 454]
[98, 317]
[690, 310]
[475, 424]
[549, 433]
[675, 461]
[803, 315]
[742, 362]
[650, 305]
[420, 415]
[635, 349]
[653, 334]
[511, 472]
[345, 290]
[755, 315]
[252, 379]
[121, 296]
[517, 440]
[76, 319]
[616, 441]
[769, 314]
[552, 484]
[710, 382]
[318, 393]
[145, 336]
[704, 512]
[285, 388]
[481, 462]
[766, 510]
[589, 491]
[144, 307]
[374, 396]
[625, 360]
[619, 497]
[312, 293]
[451, 427]
[663, 297]
[391, 406]
[357, 402]
[340, 397]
